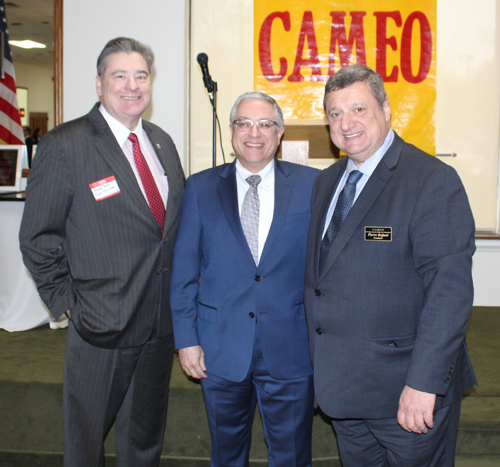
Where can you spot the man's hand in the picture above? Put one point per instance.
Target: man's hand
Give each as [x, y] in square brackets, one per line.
[193, 361]
[416, 409]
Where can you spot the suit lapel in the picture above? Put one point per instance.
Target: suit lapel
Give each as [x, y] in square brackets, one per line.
[283, 188]
[228, 196]
[381, 175]
[110, 151]
[326, 198]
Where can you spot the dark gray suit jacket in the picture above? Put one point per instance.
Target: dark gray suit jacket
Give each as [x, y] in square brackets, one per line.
[385, 313]
[105, 261]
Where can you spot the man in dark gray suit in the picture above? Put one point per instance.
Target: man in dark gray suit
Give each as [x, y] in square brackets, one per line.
[97, 234]
[388, 286]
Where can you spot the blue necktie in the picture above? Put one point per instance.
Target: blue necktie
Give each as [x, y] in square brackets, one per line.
[344, 204]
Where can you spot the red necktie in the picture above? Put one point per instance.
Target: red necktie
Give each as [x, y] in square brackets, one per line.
[148, 182]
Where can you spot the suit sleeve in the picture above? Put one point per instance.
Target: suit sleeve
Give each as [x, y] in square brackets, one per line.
[186, 271]
[442, 237]
[48, 202]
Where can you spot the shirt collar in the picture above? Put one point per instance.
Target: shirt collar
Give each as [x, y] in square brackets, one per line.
[120, 131]
[264, 173]
[369, 166]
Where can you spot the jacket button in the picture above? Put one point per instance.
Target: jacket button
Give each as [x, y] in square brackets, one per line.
[319, 331]
[251, 314]
[258, 278]
[158, 272]
[317, 292]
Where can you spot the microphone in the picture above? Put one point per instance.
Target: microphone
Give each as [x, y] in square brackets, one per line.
[207, 79]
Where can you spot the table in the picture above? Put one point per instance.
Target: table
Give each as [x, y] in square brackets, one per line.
[20, 305]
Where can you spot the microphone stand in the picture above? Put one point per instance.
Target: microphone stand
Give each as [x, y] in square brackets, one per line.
[211, 86]
[213, 100]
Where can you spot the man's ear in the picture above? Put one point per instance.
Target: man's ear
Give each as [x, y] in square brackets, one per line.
[387, 110]
[98, 85]
[280, 133]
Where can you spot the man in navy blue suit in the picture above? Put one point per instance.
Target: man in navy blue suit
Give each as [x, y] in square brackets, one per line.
[388, 287]
[238, 291]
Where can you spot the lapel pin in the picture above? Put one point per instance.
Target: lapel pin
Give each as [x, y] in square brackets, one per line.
[158, 146]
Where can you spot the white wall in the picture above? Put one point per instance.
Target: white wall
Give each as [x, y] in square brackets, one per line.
[161, 24]
[224, 31]
[468, 99]
[486, 273]
[40, 86]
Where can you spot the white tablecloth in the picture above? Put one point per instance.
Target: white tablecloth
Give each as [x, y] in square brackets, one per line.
[20, 305]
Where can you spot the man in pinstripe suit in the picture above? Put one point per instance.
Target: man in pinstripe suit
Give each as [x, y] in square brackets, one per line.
[98, 232]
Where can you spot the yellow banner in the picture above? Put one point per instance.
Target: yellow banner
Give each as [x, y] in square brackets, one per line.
[299, 44]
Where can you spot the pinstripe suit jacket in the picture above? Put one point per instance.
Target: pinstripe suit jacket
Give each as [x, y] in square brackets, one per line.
[105, 261]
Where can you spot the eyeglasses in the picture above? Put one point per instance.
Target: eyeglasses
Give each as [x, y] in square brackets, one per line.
[244, 124]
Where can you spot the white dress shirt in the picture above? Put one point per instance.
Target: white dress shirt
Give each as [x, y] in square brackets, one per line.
[122, 133]
[266, 197]
[366, 168]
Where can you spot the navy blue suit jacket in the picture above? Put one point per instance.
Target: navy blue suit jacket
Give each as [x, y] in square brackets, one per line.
[217, 291]
[385, 313]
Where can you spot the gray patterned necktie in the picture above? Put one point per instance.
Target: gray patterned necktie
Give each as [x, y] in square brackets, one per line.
[250, 216]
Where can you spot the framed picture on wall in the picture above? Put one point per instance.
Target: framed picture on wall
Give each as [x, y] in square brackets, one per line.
[11, 161]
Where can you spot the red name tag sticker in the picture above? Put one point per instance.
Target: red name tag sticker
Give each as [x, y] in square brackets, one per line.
[105, 188]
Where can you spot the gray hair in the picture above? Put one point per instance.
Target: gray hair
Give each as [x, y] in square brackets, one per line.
[353, 74]
[125, 45]
[278, 114]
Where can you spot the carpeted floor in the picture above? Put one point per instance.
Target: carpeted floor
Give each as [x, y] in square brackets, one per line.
[31, 365]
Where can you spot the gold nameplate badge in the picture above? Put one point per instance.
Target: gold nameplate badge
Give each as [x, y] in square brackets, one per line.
[378, 234]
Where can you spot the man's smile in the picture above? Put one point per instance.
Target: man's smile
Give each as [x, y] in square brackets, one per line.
[352, 136]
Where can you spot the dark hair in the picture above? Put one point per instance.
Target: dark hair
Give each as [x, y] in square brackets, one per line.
[126, 45]
[352, 74]
[278, 114]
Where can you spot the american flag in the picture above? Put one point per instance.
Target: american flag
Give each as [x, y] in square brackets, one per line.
[11, 131]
